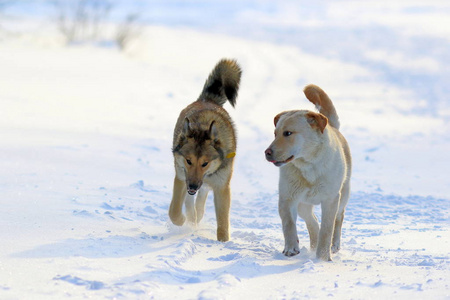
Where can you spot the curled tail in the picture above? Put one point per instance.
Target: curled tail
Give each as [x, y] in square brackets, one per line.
[222, 84]
[323, 103]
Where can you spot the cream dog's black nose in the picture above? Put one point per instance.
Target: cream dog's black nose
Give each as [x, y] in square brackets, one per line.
[268, 153]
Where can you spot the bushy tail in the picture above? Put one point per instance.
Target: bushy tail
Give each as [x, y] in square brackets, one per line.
[222, 84]
[323, 103]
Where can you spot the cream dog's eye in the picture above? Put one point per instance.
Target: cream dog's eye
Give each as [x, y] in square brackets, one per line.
[204, 164]
[189, 162]
[287, 133]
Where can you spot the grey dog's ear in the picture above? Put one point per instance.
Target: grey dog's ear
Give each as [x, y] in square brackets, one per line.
[213, 134]
[182, 136]
[186, 126]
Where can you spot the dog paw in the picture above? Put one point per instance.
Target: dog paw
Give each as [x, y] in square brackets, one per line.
[178, 220]
[200, 215]
[223, 235]
[324, 255]
[335, 248]
[291, 252]
[325, 258]
[191, 217]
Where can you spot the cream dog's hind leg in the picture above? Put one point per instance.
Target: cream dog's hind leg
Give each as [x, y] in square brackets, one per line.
[329, 211]
[336, 244]
[306, 212]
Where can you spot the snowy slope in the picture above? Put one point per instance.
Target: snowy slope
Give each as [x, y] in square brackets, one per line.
[87, 175]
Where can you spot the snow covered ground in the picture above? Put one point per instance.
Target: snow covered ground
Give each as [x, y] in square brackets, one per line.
[86, 169]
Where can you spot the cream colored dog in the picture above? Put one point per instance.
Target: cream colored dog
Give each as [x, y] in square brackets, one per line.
[315, 168]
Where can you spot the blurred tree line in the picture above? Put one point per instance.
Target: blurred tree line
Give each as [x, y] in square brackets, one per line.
[88, 20]
[80, 21]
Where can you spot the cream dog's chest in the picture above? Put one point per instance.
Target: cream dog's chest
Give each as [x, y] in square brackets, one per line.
[311, 189]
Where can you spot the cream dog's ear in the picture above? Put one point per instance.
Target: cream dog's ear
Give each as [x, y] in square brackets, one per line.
[317, 120]
[277, 118]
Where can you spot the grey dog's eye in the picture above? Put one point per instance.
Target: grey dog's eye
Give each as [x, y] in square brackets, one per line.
[189, 162]
[287, 133]
[204, 164]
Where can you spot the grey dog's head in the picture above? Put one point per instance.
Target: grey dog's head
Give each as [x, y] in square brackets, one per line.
[197, 154]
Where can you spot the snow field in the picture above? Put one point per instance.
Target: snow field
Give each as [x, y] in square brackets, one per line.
[87, 176]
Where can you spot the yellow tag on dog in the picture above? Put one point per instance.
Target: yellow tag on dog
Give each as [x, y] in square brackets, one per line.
[230, 155]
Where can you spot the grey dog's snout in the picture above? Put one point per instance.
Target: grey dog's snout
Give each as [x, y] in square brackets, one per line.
[193, 187]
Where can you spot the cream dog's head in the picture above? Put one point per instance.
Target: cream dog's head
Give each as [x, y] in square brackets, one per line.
[298, 134]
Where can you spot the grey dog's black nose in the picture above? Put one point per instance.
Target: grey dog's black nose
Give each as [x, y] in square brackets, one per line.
[193, 187]
[268, 153]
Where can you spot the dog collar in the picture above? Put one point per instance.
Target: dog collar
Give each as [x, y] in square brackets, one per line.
[231, 155]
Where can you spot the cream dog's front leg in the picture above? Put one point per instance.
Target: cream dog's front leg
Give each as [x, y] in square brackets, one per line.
[288, 213]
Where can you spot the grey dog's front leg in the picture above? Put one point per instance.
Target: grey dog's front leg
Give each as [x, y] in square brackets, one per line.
[222, 202]
[288, 214]
[176, 206]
